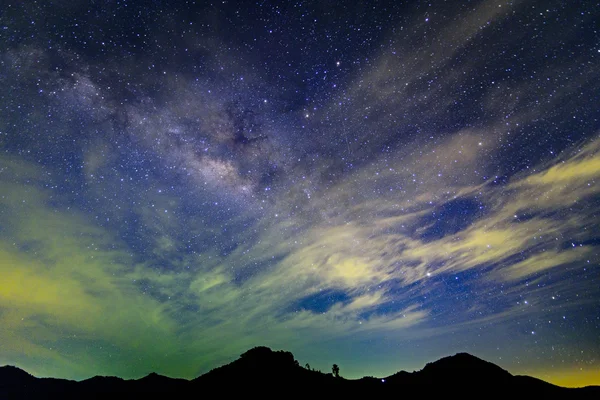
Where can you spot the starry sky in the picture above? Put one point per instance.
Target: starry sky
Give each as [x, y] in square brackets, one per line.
[375, 184]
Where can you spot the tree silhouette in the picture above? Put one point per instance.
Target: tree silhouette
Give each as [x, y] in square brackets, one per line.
[336, 370]
[307, 366]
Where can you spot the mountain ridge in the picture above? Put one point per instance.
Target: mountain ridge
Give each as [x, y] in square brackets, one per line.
[263, 370]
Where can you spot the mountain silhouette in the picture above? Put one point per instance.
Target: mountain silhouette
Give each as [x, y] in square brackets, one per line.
[262, 371]
[10, 375]
[460, 368]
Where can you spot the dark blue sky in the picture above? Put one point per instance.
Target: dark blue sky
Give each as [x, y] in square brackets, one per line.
[374, 184]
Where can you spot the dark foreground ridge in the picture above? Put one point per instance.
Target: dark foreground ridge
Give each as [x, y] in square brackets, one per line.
[261, 371]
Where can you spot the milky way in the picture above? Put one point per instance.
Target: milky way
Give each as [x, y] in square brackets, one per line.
[375, 184]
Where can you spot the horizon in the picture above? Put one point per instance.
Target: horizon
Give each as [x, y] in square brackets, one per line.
[373, 184]
[305, 366]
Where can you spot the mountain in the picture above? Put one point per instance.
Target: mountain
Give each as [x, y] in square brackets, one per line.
[10, 376]
[466, 374]
[262, 371]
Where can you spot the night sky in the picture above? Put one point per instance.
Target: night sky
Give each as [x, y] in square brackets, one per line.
[375, 184]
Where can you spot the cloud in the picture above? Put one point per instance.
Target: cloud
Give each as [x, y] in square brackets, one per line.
[372, 248]
[63, 276]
